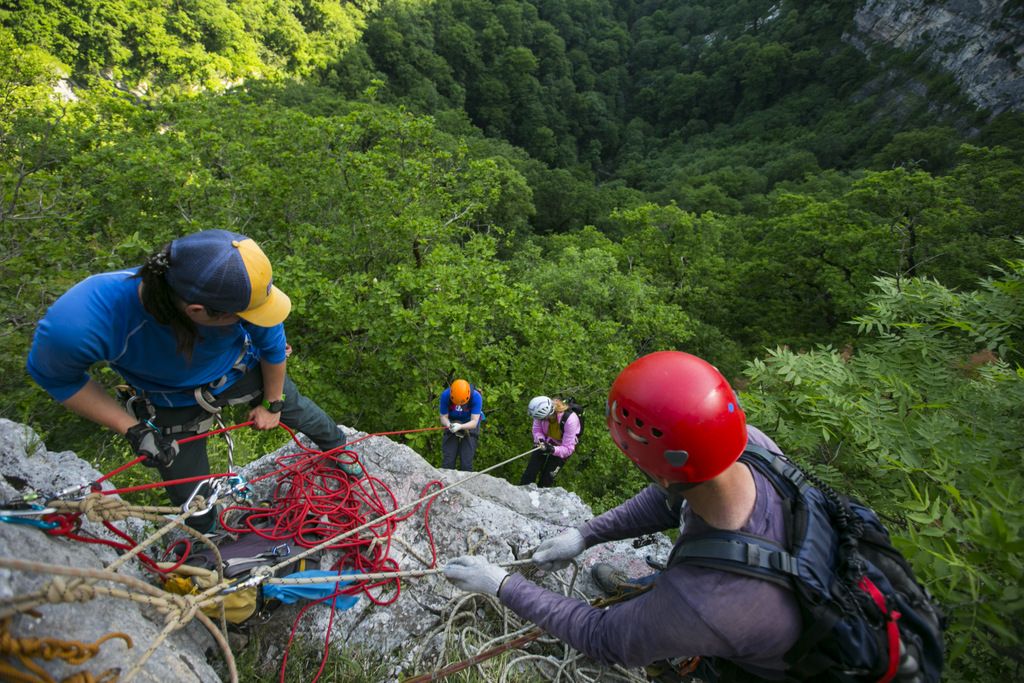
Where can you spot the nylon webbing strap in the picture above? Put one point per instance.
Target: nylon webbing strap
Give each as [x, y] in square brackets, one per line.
[759, 557]
[777, 465]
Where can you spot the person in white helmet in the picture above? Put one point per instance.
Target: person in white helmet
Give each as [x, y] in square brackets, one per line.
[556, 430]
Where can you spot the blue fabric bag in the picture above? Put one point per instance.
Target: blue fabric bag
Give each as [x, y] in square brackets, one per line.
[290, 594]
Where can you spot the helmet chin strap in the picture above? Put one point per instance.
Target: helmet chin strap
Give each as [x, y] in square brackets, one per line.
[679, 488]
[676, 488]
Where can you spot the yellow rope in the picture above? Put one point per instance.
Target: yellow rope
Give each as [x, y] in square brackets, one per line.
[177, 609]
[73, 652]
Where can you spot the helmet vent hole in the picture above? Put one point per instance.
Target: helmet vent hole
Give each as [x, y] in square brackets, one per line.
[625, 412]
[639, 422]
[636, 437]
[656, 433]
[676, 458]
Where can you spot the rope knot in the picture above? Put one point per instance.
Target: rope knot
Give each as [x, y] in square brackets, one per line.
[100, 508]
[198, 503]
[179, 609]
[76, 590]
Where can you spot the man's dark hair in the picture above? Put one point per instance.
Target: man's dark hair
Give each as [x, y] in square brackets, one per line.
[163, 304]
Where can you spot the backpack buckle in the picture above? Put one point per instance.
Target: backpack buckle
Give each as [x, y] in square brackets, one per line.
[783, 562]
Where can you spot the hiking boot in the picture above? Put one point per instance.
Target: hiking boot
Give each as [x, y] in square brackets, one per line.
[611, 580]
[353, 469]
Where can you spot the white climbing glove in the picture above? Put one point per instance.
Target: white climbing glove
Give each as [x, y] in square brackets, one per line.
[475, 574]
[455, 427]
[554, 553]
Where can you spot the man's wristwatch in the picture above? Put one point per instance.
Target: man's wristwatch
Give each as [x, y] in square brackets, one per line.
[274, 406]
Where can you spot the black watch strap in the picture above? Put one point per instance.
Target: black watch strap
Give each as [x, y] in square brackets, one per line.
[274, 406]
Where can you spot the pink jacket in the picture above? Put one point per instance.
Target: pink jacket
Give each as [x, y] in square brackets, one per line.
[570, 432]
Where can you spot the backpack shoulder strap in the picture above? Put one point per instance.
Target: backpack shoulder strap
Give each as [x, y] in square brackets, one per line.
[739, 553]
[748, 554]
[784, 475]
[571, 408]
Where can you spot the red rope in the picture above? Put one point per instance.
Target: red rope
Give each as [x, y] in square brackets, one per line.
[69, 524]
[312, 501]
[120, 469]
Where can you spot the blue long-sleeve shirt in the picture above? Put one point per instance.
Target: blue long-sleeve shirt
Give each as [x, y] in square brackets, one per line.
[464, 412]
[102, 319]
[690, 610]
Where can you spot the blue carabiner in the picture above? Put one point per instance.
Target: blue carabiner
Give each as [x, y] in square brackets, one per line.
[25, 517]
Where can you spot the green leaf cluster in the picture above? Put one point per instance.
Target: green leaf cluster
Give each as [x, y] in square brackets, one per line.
[921, 419]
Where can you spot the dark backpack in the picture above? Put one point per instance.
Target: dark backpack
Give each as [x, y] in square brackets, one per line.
[574, 407]
[240, 555]
[864, 613]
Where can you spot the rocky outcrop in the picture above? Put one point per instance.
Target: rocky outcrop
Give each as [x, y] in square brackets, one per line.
[486, 515]
[25, 462]
[981, 43]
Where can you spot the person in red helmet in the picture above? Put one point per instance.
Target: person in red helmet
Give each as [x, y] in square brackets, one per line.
[677, 419]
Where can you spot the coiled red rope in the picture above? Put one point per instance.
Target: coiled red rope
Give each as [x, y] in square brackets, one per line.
[312, 501]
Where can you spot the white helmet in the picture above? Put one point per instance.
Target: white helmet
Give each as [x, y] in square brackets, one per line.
[540, 407]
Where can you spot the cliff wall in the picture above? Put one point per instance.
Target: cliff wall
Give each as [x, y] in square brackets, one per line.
[979, 42]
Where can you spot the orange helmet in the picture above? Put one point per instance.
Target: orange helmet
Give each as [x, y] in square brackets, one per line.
[676, 417]
[460, 392]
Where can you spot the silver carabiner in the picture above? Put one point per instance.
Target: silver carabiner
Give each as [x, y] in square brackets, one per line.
[214, 494]
[230, 442]
[31, 512]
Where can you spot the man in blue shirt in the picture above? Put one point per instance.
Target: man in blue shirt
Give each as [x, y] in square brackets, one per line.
[461, 408]
[197, 327]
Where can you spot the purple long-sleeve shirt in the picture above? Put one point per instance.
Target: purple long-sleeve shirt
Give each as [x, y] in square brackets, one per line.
[565, 446]
[690, 610]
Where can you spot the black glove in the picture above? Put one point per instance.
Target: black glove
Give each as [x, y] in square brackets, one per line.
[158, 449]
[549, 448]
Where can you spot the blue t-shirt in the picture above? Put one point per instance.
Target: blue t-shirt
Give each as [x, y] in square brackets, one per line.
[102, 319]
[464, 412]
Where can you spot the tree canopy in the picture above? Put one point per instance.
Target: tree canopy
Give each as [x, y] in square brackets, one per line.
[534, 194]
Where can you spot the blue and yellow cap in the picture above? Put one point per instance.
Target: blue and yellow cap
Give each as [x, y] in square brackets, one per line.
[227, 272]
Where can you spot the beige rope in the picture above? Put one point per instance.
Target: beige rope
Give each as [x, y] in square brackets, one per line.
[212, 592]
[411, 573]
[98, 507]
[178, 610]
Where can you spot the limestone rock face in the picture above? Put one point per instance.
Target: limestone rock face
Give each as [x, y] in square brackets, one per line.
[981, 42]
[24, 461]
[486, 515]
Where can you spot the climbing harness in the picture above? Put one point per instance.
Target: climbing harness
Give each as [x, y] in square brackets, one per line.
[137, 403]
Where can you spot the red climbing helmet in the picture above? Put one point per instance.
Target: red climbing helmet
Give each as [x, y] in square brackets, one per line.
[676, 417]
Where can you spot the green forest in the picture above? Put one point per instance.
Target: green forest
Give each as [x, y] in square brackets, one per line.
[531, 195]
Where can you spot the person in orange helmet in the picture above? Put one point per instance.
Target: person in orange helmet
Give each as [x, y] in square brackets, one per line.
[461, 408]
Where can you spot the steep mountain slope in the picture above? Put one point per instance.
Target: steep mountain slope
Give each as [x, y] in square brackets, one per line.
[981, 44]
